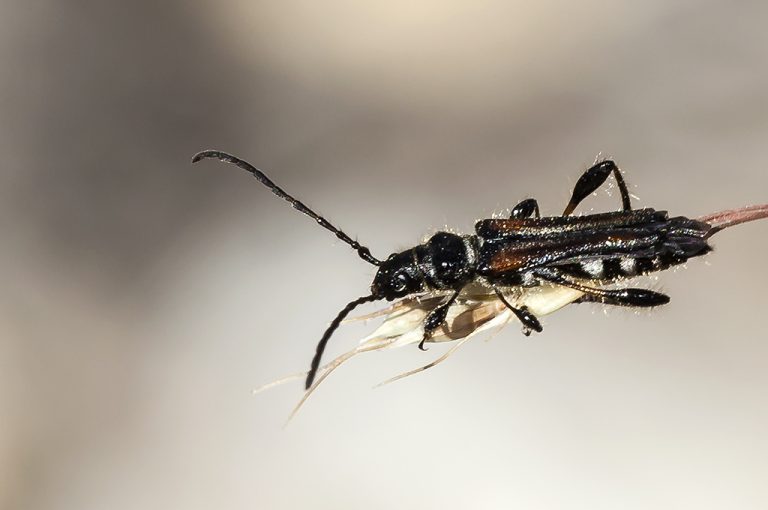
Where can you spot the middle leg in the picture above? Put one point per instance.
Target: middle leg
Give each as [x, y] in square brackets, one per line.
[529, 321]
[526, 209]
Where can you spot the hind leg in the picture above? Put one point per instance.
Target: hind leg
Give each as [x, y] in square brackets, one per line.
[592, 179]
[620, 297]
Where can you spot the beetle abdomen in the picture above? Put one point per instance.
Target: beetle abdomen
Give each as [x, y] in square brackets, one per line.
[602, 253]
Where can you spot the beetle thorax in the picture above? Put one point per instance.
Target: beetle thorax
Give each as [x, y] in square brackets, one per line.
[447, 260]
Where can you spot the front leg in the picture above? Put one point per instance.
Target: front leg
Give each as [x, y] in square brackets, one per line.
[436, 318]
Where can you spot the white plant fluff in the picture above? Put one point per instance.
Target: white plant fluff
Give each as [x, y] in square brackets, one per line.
[476, 310]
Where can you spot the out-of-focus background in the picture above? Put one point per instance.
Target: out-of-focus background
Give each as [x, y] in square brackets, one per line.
[143, 298]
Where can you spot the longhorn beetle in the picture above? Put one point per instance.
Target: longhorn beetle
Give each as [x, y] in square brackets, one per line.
[526, 250]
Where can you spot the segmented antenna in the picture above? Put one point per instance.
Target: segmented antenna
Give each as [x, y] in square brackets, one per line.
[328, 332]
[363, 252]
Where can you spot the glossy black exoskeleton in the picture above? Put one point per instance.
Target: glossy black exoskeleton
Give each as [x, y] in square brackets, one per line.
[525, 250]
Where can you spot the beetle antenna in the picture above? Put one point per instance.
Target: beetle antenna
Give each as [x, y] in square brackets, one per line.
[363, 252]
[327, 335]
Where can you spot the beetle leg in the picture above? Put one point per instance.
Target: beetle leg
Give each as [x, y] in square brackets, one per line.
[436, 318]
[526, 209]
[619, 297]
[592, 179]
[529, 321]
[586, 298]
[592, 298]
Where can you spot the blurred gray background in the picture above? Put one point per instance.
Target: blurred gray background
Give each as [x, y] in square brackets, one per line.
[143, 298]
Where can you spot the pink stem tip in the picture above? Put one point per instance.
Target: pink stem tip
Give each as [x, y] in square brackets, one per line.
[725, 219]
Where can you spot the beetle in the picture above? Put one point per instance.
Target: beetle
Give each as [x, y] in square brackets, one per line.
[525, 250]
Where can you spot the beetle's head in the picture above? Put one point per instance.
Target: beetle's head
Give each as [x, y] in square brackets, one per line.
[398, 276]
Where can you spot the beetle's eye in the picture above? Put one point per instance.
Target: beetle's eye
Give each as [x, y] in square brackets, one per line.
[400, 281]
